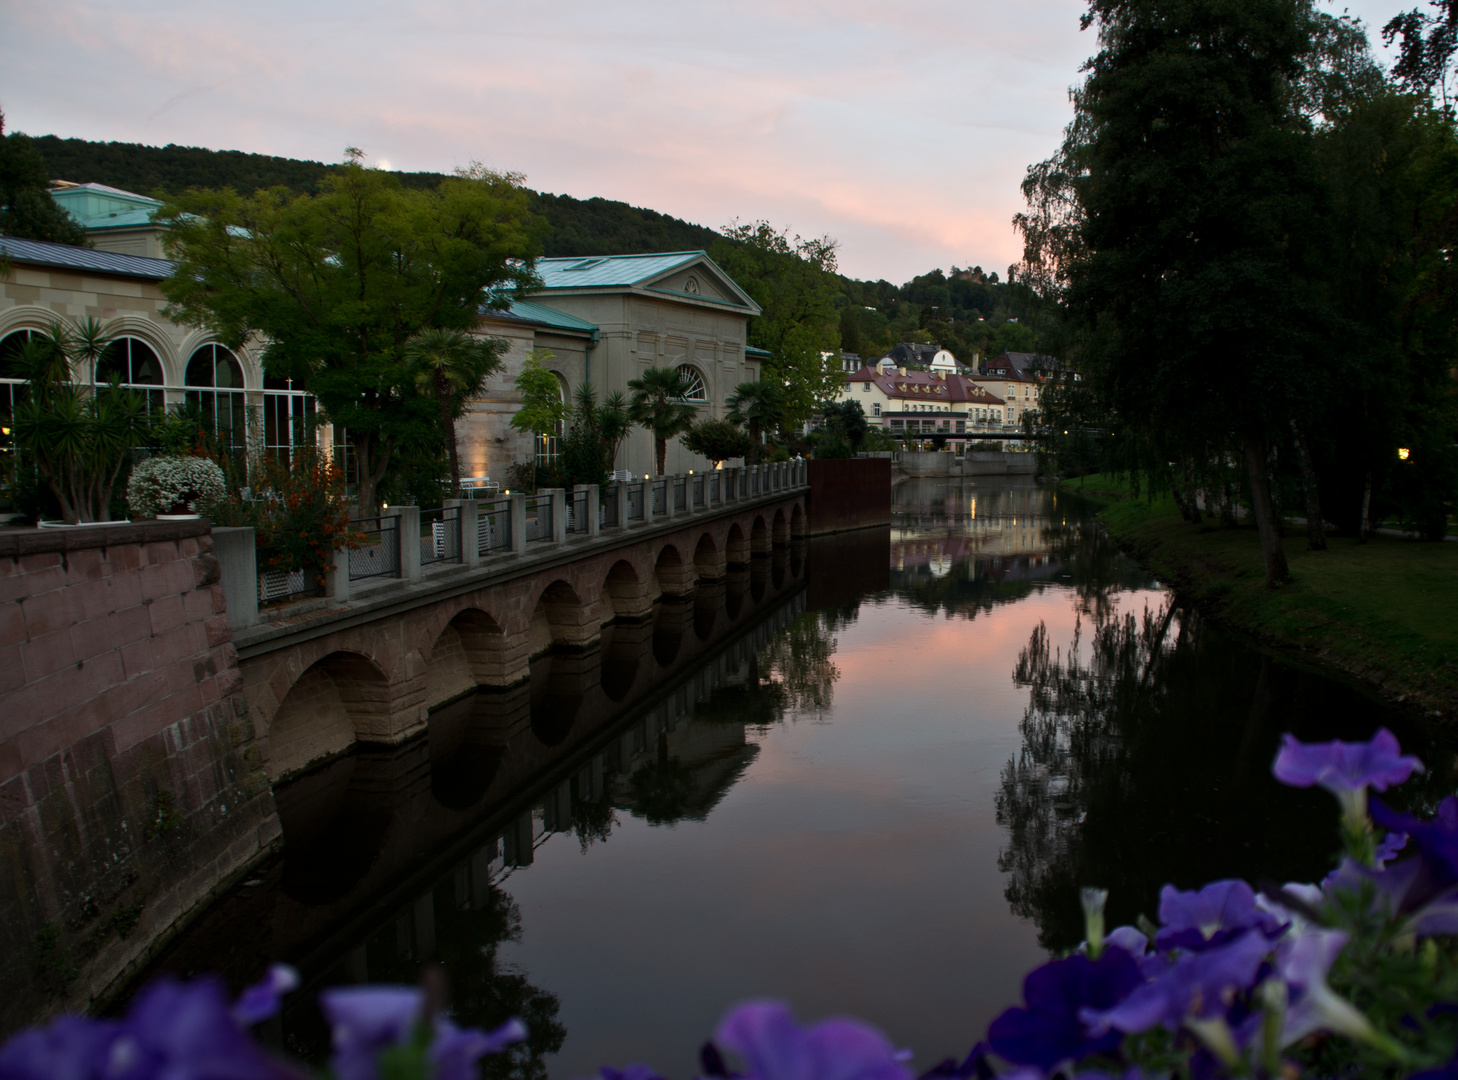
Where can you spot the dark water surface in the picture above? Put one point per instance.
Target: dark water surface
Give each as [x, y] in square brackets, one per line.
[867, 776]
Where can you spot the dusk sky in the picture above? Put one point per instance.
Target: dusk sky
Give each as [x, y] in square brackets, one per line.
[900, 129]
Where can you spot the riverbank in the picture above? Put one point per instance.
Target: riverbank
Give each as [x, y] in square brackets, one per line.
[1383, 612]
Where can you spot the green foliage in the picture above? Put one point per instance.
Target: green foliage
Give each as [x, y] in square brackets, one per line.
[542, 408]
[453, 365]
[27, 210]
[846, 421]
[717, 440]
[585, 449]
[657, 402]
[794, 281]
[337, 283]
[760, 407]
[78, 439]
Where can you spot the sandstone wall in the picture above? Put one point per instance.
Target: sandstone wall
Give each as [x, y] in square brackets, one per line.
[130, 785]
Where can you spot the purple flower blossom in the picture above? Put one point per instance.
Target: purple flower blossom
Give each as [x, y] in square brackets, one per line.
[1049, 1030]
[1130, 940]
[261, 1000]
[629, 1072]
[1436, 841]
[70, 1048]
[775, 1047]
[454, 1052]
[1304, 964]
[364, 1020]
[1346, 769]
[1211, 916]
[1195, 986]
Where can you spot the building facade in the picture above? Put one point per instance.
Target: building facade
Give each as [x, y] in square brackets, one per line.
[917, 405]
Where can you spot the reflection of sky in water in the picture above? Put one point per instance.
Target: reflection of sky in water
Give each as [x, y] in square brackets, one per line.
[852, 869]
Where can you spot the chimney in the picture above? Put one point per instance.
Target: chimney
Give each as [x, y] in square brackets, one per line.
[902, 370]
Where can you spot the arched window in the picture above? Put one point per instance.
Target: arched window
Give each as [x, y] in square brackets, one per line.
[214, 384]
[549, 445]
[12, 384]
[691, 375]
[288, 419]
[135, 365]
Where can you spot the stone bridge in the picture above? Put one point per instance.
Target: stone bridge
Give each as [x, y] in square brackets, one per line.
[323, 675]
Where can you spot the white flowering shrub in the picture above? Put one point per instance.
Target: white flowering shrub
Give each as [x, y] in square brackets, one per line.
[159, 484]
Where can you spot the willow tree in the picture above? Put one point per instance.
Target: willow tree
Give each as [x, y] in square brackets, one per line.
[336, 283]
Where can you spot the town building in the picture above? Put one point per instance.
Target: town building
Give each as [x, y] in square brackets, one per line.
[918, 405]
[1018, 378]
[601, 321]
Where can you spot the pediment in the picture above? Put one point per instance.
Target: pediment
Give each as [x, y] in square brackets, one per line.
[701, 279]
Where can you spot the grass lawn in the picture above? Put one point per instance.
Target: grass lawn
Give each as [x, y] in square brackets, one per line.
[1385, 611]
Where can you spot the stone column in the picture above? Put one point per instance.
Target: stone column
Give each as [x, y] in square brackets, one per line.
[407, 521]
[594, 508]
[559, 515]
[518, 522]
[236, 550]
[730, 489]
[470, 532]
[670, 486]
[621, 493]
[336, 586]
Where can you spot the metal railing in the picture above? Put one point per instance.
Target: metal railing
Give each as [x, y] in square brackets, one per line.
[607, 507]
[378, 554]
[577, 523]
[716, 487]
[637, 496]
[680, 494]
[278, 585]
[440, 535]
[538, 518]
[493, 527]
[696, 490]
[660, 496]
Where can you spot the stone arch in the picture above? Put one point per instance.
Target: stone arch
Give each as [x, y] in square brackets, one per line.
[325, 712]
[675, 577]
[797, 523]
[625, 594]
[558, 621]
[468, 652]
[709, 563]
[148, 332]
[759, 537]
[781, 530]
[736, 546]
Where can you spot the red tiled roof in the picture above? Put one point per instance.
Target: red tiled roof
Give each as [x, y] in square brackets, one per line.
[925, 386]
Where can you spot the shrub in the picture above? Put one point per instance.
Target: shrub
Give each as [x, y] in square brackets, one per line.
[175, 485]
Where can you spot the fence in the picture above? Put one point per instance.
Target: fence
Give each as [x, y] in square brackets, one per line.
[440, 535]
[637, 493]
[607, 507]
[275, 586]
[378, 554]
[660, 496]
[538, 518]
[680, 494]
[577, 522]
[493, 527]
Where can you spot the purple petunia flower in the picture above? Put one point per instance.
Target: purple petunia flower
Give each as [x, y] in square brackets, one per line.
[1195, 986]
[1211, 916]
[1049, 1030]
[775, 1047]
[629, 1072]
[70, 1048]
[1436, 841]
[454, 1052]
[1346, 769]
[364, 1020]
[1304, 964]
[261, 1000]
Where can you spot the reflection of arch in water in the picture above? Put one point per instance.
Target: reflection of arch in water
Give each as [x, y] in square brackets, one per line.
[758, 574]
[797, 523]
[759, 541]
[467, 743]
[736, 546]
[626, 594]
[670, 622]
[735, 583]
[674, 577]
[334, 825]
[558, 685]
[337, 701]
[708, 602]
[707, 566]
[623, 649]
[779, 563]
[556, 620]
[797, 559]
[781, 535]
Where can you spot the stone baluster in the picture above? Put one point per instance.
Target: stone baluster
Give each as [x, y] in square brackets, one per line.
[407, 535]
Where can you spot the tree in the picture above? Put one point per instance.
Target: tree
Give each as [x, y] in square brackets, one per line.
[657, 403]
[1429, 43]
[453, 366]
[27, 211]
[614, 424]
[847, 420]
[337, 282]
[794, 281]
[543, 410]
[760, 407]
[717, 440]
[1183, 216]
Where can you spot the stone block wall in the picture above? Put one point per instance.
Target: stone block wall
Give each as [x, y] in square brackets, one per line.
[130, 785]
[850, 494]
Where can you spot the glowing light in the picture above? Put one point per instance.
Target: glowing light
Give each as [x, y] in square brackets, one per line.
[1402, 454]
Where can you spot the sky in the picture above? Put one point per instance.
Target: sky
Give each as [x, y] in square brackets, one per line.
[902, 129]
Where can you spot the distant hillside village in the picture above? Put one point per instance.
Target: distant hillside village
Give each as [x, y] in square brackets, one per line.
[599, 319]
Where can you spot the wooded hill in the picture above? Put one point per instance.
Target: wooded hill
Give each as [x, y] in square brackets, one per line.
[966, 311]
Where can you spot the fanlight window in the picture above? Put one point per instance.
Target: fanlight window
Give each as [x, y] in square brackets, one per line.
[134, 364]
[694, 379]
[214, 384]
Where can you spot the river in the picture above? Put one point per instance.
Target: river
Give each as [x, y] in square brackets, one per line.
[870, 781]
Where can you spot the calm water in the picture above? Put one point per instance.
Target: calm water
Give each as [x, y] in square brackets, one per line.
[868, 777]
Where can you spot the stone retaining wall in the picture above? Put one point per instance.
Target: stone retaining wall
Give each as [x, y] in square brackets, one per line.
[130, 785]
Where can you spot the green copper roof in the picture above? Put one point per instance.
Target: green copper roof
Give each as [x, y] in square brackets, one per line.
[640, 271]
[96, 206]
[532, 311]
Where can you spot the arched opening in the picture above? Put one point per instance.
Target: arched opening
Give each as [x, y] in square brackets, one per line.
[288, 420]
[557, 620]
[134, 364]
[670, 622]
[214, 388]
[325, 712]
[797, 523]
[736, 547]
[781, 529]
[674, 577]
[759, 540]
[627, 597]
[549, 443]
[693, 378]
[707, 565]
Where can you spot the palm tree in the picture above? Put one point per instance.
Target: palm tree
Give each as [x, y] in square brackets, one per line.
[760, 407]
[454, 366]
[613, 424]
[658, 404]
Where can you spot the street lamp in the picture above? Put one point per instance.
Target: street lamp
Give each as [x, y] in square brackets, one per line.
[1403, 453]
